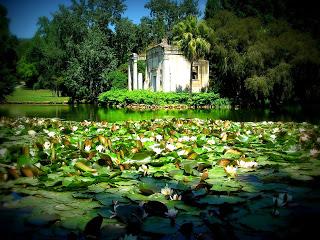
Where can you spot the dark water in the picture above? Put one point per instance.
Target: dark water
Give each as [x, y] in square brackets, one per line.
[96, 113]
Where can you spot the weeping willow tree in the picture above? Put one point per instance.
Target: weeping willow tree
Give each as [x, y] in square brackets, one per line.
[191, 36]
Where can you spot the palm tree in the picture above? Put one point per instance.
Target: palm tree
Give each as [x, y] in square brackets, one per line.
[191, 35]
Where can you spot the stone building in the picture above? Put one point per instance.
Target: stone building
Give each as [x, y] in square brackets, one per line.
[167, 70]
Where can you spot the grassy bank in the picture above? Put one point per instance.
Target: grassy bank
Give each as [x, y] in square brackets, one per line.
[22, 95]
[145, 98]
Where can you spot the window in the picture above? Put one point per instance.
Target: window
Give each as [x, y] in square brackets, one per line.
[195, 70]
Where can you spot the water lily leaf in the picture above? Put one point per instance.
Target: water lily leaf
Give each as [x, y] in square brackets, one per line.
[25, 160]
[158, 225]
[83, 167]
[43, 220]
[221, 199]
[261, 222]
[146, 155]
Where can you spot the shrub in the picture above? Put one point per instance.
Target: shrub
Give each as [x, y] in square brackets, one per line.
[118, 97]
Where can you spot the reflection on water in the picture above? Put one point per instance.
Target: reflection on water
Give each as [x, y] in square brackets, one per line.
[96, 113]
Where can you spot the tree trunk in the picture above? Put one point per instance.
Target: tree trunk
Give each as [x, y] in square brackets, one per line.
[190, 85]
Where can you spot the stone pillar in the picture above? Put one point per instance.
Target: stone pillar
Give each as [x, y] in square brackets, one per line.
[146, 78]
[166, 81]
[158, 78]
[135, 71]
[129, 77]
[140, 81]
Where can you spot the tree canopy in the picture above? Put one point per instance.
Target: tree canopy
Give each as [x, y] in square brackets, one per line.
[191, 36]
[8, 56]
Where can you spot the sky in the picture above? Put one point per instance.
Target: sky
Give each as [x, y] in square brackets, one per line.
[24, 14]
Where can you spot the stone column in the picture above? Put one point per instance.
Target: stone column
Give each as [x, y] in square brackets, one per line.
[146, 78]
[140, 86]
[166, 81]
[129, 77]
[135, 71]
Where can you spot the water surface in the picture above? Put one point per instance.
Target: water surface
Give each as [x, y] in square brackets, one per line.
[98, 113]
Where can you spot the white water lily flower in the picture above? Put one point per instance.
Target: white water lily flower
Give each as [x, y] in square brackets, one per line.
[166, 191]
[231, 170]
[245, 164]
[143, 168]
[129, 237]
[47, 145]
[248, 132]
[32, 152]
[156, 148]
[184, 139]
[282, 199]
[273, 137]
[32, 133]
[275, 130]
[159, 137]
[100, 148]
[175, 197]
[51, 134]
[193, 138]
[314, 152]
[3, 152]
[304, 137]
[182, 152]
[74, 128]
[99, 130]
[211, 142]
[170, 147]
[172, 213]
[87, 148]
[38, 165]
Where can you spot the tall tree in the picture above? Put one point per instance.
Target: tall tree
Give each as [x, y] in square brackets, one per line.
[212, 7]
[8, 56]
[257, 64]
[191, 36]
[74, 49]
[166, 13]
[125, 39]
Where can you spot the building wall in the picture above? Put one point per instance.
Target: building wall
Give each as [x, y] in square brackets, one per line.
[168, 70]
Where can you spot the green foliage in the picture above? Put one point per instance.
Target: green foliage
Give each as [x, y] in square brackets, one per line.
[27, 71]
[125, 97]
[84, 79]
[165, 14]
[75, 48]
[117, 79]
[301, 15]
[192, 37]
[8, 56]
[125, 39]
[254, 63]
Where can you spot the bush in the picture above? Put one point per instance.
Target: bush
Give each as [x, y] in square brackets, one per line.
[124, 97]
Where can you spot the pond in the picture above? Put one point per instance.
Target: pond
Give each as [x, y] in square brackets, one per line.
[96, 113]
[158, 179]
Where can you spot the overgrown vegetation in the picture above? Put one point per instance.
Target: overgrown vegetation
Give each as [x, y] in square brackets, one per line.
[125, 97]
[174, 178]
[263, 64]
[8, 56]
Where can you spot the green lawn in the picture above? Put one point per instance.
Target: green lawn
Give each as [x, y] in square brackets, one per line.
[21, 95]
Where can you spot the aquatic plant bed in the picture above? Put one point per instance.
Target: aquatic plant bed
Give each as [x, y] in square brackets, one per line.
[158, 179]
